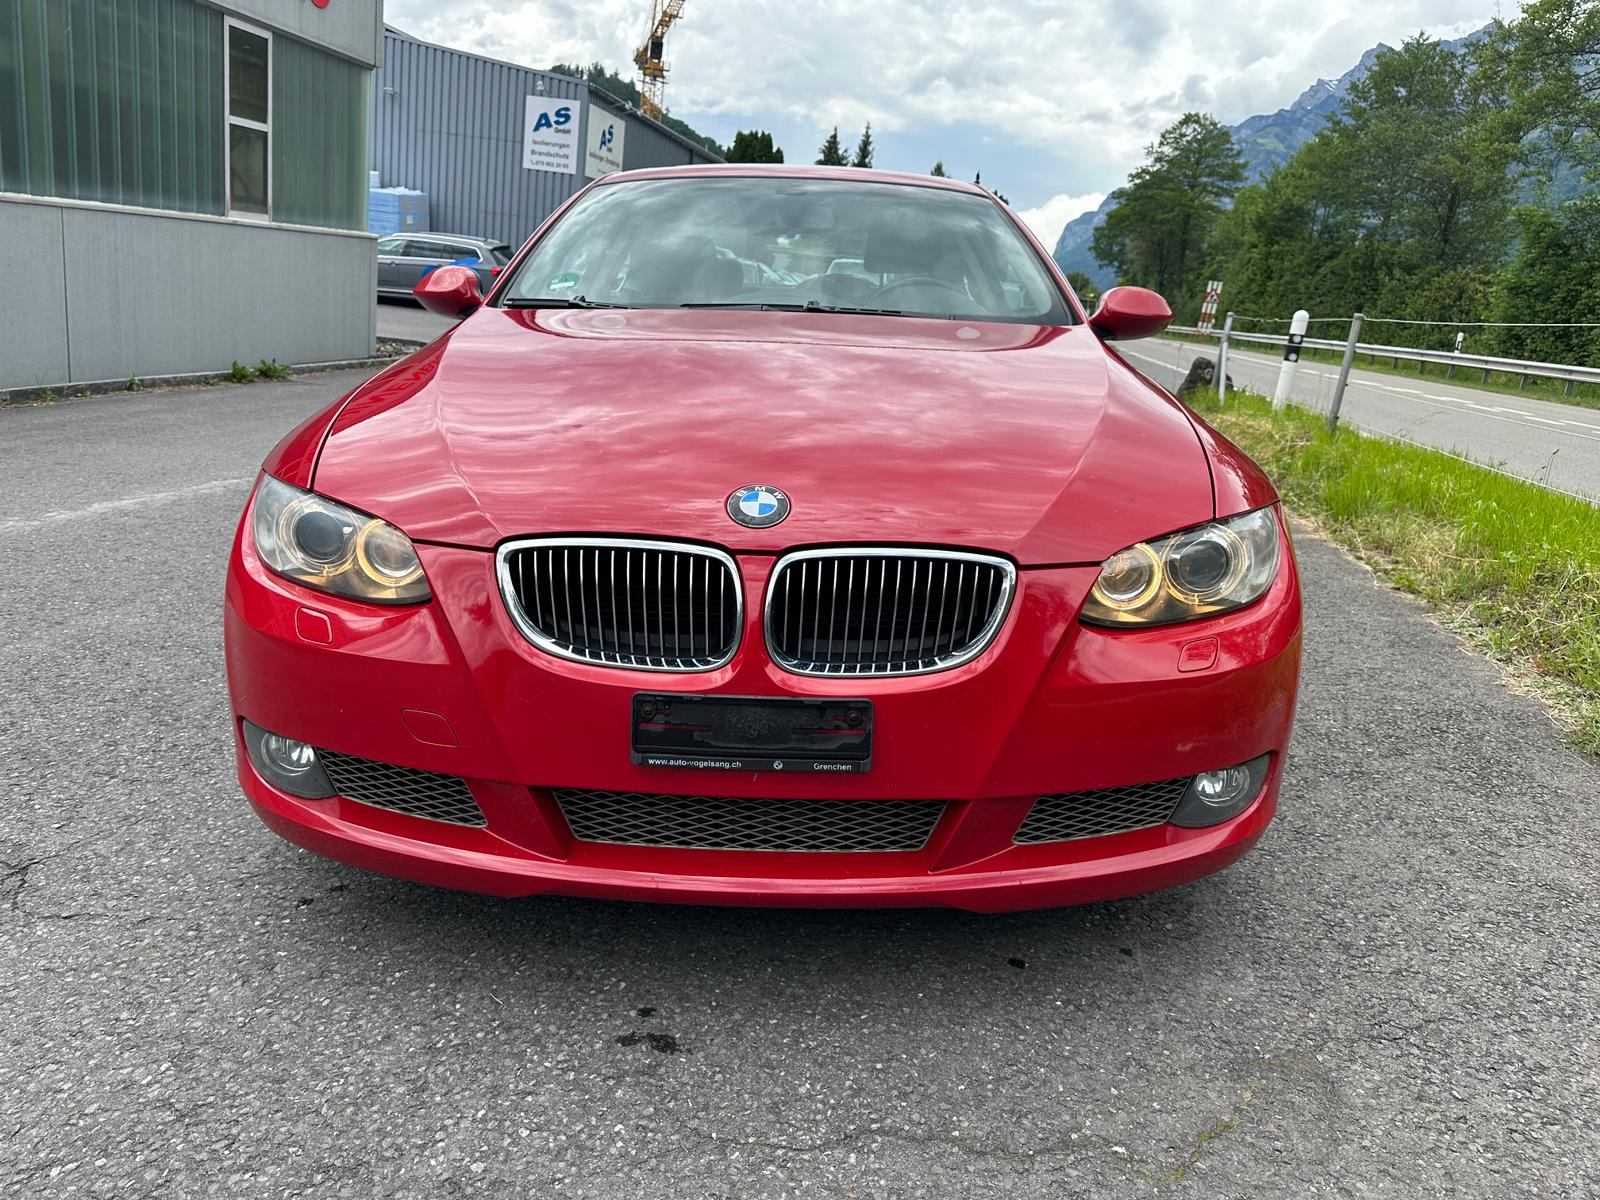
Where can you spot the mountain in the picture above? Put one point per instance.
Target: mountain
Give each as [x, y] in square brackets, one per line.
[1267, 141]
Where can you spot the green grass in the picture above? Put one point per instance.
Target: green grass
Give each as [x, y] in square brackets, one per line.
[1501, 383]
[1512, 567]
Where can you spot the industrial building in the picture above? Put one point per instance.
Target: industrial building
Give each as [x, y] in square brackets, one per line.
[187, 183]
[183, 185]
[498, 147]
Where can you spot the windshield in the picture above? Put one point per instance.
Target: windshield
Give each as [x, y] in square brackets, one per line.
[790, 243]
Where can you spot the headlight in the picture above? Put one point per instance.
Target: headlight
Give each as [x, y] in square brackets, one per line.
[1201, 571]
[319, 543]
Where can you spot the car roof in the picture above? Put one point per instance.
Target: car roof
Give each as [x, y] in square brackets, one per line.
[432, 236]
[786, 171]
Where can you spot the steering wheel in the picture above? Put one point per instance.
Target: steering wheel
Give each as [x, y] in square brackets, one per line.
[919, 281]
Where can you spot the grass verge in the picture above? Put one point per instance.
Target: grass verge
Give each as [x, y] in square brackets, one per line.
[1498, 383]
[1513, 568]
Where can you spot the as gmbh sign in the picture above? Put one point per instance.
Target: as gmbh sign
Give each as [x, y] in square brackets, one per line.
[550, 135]
[606, 136]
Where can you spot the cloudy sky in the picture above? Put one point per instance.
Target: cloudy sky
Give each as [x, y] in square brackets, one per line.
[1052, 100]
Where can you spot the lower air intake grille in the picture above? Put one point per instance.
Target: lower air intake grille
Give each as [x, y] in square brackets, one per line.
[403, 790]
[1072, 815]
[717, 823]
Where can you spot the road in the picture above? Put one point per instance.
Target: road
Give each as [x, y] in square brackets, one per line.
[408, 321]
[1394, 995]
[1558, 444]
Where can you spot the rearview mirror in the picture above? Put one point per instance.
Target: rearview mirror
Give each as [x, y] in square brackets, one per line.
[449, 291]
[1126, 313]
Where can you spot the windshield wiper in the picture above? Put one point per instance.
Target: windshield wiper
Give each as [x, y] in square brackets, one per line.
[756, 305]
[811, 306]
[557, 302]
[872, 312]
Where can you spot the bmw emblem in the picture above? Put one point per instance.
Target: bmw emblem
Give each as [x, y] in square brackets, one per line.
[758, 505]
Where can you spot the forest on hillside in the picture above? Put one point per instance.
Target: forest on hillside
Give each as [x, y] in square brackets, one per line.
[596, 75]
[1455, 185]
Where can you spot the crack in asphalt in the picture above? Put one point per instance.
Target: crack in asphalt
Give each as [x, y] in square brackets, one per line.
[13, 879]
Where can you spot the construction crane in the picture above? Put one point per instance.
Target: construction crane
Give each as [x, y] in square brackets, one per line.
[648, 58]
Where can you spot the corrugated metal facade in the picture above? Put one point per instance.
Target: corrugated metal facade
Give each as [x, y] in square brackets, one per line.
[450, 124]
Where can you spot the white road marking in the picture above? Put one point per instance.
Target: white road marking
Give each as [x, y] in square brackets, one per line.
[102, 507]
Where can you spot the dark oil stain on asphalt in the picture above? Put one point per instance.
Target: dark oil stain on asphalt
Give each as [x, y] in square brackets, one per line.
[646, 1013]
[1020, 964]
[661, 1043]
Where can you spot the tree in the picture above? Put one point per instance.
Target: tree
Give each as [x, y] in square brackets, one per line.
[1417, 163]
[832, 153]
[1085, 287]
[1156, 236]
[978, 181]
[1399, 207]
[863, 156]
[754, 146]
[938, 169]
[1547, 65]
[1551, 278]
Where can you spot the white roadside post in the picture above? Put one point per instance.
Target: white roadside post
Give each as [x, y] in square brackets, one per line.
[1291, 360]
[1222, 361]
[1344, 371]
[1461, 340]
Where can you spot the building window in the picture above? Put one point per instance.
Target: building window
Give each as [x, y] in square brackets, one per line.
[249, 121]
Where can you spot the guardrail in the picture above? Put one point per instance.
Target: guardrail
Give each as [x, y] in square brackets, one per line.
[1354, 346]
[1570, 375]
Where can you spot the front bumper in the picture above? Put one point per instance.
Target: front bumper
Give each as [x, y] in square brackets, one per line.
[1051, 707]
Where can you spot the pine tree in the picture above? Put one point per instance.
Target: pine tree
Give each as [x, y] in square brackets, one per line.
[938, 169]
[1000, 196]
[863, 156]
[832, 153]
[754, 146]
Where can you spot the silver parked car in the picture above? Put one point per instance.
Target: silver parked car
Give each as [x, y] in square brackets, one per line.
[404, 258]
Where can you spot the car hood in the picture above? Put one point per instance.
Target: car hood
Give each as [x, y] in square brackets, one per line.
[1031, 441]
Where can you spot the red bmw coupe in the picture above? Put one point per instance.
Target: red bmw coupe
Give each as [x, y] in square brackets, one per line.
[768, 536]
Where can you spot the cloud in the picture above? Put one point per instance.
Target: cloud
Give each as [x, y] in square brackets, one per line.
[1002, 86]
[1049, 218]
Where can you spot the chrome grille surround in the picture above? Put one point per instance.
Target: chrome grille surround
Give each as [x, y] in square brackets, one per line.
[963, 625]
[728, 823]
[415, 793]
[633, 627]
[1068, 816]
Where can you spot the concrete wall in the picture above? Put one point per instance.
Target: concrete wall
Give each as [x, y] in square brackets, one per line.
[97, 292]
[353, 28]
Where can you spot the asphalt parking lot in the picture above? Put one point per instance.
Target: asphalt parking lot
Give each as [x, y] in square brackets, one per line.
[407, 321]
[1393, 996]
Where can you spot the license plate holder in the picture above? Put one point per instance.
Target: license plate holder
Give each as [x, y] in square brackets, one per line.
[752, 733]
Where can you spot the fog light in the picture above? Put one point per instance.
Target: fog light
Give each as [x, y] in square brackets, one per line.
[287, 755]
[1215, 796]
[1221, 788]
[286, 764]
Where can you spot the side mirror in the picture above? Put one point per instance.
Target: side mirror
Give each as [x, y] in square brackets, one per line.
[449, 291]
[1126, 313]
